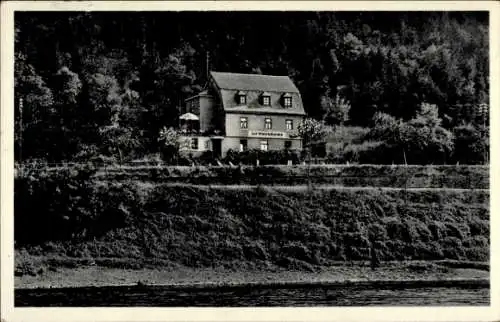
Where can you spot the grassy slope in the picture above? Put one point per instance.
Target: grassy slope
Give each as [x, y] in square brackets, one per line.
[199, 226]
[344, 143]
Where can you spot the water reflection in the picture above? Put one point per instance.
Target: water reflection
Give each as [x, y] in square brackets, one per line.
[317, 296]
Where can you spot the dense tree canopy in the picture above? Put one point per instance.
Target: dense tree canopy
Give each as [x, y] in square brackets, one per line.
[107, 83]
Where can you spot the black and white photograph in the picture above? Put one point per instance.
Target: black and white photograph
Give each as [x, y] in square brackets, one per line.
[251, 158]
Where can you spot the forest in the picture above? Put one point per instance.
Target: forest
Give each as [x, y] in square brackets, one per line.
[105, 83]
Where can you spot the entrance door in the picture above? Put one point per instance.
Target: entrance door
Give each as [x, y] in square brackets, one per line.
[217, 147]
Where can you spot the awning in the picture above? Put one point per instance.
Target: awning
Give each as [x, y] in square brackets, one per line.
[189, 117]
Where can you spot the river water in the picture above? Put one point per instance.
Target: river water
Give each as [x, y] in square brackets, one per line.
[349, 295]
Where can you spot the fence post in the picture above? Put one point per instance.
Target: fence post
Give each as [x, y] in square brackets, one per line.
[406, 175]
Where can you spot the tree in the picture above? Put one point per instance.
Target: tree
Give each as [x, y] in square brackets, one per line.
[385, 128]
[34, 108]
[471, 144]
[68, 86]
[426, 137]
[421, 139]
[337, 110]
[312, 131]
[119, 140]
[165, 80]
[313, 134]
[172, 143]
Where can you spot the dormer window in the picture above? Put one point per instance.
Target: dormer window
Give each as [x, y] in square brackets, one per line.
[241, 98]
[266, 99]
[287, 100]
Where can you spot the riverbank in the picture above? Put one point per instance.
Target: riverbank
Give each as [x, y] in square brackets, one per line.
[390, 272]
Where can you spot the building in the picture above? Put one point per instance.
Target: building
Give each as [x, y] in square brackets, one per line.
[243, 111]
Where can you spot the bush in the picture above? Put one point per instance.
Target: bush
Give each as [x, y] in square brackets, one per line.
[395, 228]
[452, 248]
[477, 242]
[477, 254]
[297, 250]
[438, 230]
[471, 144]
[453, 230]
[377, 232]
[70, 204]
[57, 204]
[25, 268]
[479, 227]
[255, 250]
[295, 264]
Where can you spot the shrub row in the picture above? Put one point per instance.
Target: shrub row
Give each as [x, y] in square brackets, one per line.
[272, 157]
[204, 226]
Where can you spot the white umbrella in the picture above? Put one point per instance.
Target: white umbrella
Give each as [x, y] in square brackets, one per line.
[189, 117]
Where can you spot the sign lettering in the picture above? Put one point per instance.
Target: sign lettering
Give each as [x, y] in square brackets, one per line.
[268, 134]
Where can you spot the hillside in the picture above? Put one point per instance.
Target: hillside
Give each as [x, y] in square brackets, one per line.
[134, 223]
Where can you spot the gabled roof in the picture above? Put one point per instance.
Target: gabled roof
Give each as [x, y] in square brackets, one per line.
[254, 82]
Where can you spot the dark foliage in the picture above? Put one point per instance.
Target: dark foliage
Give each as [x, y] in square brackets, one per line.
[204, 227]
[68, 204]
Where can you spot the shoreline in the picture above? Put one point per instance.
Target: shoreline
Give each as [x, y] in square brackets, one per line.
[409, 283]
[187, 277]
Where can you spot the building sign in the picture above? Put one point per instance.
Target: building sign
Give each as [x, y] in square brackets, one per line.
[268, 134]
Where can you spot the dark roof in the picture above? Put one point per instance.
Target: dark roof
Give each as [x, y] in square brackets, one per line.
[254, 82]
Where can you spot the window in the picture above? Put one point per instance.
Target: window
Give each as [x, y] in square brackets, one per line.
[268, 124]
[243, 123]
[242, 99]
[287, 101]
[243, 145]
[264, 145]
[266, 100]
[288, 144]
[194, 143]
[289, 125]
